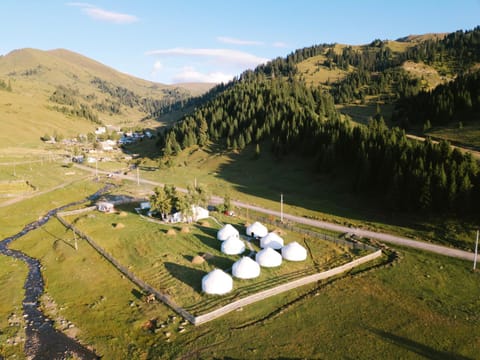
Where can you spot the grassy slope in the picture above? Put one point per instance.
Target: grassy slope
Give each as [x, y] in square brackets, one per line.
[306, 193]
[27, 112]
[378, 314]
[316, 74]
[12, 276]
[164, 261]
[374, 315]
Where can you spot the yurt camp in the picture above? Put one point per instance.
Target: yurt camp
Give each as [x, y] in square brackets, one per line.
[257, 230]
[246, 268]
[217, 282]
[233, 246]
[272, 240]
[268, 258]
[294, 252]
[226, 232]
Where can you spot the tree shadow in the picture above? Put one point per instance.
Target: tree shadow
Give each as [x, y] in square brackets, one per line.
[189, 276]
[303, 185]
[219, 262]
[418, 348]
[137, 294]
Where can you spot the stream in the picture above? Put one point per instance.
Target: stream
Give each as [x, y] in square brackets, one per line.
[43, 341]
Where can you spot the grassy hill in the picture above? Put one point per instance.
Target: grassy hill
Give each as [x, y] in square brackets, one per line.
[34, 75]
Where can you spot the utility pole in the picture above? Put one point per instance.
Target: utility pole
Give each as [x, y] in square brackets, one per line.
[75, 237]
[476, 253]
[281, 208]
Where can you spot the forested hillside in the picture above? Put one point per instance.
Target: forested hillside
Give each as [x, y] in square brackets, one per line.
[273, 103]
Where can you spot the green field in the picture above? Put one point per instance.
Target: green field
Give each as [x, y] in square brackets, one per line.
[164, 261]
[12, 276]
[307, 192]
[374, 314]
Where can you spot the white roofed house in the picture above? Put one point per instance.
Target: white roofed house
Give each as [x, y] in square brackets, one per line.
[105, 206]
[107, 145]
[197, 213]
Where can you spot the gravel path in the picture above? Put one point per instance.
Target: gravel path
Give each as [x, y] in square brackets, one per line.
[388, 238]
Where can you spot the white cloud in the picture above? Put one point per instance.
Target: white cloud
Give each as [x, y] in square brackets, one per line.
[223, 55]
[190, 74]
[104, 15]
[279, 44]
[157, 67]
[229, 40]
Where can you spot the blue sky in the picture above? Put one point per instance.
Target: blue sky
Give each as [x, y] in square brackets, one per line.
[212, 40]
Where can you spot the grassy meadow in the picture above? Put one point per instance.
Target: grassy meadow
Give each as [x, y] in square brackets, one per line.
[12, 276]
[374, 314]
[164, 261]
[307, 192]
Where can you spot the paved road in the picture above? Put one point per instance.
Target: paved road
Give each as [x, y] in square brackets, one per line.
[388, 238]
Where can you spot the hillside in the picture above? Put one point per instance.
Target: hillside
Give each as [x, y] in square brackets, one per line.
[32, 77]
[274, 108]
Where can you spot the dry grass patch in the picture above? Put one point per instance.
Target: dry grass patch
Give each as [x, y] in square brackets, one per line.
[171, 232]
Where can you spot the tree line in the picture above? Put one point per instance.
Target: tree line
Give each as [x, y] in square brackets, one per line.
[458, 100]
[272, 103]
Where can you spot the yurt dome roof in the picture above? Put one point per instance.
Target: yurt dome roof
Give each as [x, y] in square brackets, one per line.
[257, 229]
[271, 240]
[217, 282]
[246, 268]
[294, 252]
[268, 258]
[227, 231]
[233, 246]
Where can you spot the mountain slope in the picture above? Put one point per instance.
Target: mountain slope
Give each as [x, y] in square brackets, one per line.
[32, 77]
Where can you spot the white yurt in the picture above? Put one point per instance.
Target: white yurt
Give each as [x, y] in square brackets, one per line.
[217, 282]
[272, 240]
[246, 268]
[233, 246]
[268, 258]
[226, 232]
[257, 230]
[294, 252]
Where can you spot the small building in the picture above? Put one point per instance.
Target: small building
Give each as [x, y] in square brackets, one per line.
[100, 130]
[107, 145]
[105, 206]
[198, 213]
